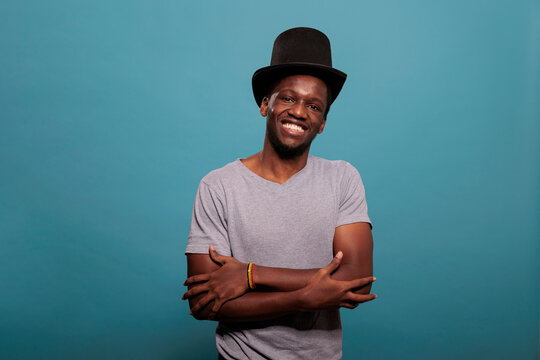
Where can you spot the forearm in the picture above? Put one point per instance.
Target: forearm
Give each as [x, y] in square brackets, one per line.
[283, 279]
[255, 306]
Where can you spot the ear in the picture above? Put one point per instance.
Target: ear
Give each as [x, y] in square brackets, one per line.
[322, 125]
[264, 107]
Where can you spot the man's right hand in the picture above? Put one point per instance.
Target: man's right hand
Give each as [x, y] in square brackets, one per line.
[323, 292]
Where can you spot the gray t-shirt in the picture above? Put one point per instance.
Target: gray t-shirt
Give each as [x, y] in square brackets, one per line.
[290, 225]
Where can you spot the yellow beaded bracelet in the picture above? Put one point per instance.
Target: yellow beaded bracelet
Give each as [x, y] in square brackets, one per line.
[251, 283]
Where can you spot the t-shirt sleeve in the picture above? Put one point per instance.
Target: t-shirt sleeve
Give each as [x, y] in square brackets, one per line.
[208, 223]
[352, 203]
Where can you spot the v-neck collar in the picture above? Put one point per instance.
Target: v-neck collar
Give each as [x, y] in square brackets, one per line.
[274, 185]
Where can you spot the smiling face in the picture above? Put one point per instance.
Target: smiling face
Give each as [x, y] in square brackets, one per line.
[295, 113]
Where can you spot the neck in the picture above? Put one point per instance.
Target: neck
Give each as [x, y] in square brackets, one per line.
[270, 166]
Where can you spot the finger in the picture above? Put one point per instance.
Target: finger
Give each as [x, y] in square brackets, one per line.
[356, 283]
[196, 279]
[201, 304]
[361, 298]
[334, 264]
[220, 259]
[196, 290]
[215, 308]
[349, 305]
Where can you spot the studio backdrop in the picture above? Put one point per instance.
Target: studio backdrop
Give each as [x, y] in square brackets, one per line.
[112, 112]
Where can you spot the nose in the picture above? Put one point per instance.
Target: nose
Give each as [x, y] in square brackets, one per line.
[297, 110]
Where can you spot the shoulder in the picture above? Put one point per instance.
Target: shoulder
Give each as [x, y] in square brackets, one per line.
[218, 179]
[338, 169]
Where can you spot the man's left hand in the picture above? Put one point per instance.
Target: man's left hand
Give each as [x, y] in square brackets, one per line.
[222, 285]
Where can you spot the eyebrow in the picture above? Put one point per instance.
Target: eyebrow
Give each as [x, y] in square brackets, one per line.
[311, 99]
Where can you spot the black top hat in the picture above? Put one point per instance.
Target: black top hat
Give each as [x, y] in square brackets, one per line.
[303, 51]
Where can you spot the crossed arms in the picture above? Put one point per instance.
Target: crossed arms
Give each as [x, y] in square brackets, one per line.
[218, 287]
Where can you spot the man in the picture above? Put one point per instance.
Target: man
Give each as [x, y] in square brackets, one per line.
[281, 240]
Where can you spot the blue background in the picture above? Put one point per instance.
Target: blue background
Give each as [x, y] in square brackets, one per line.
[111, 113]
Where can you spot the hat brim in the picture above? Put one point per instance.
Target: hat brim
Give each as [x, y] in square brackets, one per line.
[266, 76]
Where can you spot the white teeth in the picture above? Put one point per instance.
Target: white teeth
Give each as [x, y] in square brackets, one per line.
[293, 127]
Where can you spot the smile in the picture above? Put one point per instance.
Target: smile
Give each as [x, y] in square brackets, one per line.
[293, 129]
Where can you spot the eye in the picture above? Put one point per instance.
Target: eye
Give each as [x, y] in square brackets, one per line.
[287, 98]
[314, 107]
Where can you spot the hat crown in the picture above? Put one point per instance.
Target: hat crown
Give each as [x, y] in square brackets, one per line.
[299, 51]
[302, 45]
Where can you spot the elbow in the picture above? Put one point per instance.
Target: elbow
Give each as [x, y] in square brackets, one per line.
[202, 314]
[365, 290]
[225, 313]
[350, 272]
[205, 315]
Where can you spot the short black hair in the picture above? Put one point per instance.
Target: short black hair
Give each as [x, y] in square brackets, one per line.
[273, 85]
